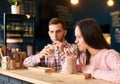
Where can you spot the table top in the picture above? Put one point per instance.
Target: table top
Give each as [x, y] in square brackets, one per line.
[38, 77]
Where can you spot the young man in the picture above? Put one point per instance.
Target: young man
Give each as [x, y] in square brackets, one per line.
[57, 32]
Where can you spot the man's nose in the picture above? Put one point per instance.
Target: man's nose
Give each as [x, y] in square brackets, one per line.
[54, 34]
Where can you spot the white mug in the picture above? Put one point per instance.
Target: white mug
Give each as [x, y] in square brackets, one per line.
[5, 62]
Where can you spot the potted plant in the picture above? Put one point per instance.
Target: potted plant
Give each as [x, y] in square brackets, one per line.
[15, 8]
[15, 2]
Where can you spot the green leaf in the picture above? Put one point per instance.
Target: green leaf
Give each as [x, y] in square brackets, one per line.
[15, 2]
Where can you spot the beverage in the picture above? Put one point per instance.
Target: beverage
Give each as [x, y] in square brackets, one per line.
[71, 61]
[69, 65]
[51, 49]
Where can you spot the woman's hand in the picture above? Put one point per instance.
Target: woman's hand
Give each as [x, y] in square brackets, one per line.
[67, 51]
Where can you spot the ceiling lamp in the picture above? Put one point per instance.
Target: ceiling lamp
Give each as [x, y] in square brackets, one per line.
[74, 2]
[110, 2]
[28, 16]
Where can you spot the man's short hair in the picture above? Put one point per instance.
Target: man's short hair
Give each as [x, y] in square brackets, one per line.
[57, 21]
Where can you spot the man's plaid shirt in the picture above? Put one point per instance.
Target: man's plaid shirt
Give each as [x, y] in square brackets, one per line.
[52, 62]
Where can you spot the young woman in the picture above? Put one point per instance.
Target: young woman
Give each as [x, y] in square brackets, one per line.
[100, 61]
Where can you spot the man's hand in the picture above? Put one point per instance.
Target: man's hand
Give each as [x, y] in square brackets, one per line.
[59, 45]
[47, 51]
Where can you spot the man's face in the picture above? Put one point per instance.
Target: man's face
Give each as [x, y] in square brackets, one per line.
[56, 32]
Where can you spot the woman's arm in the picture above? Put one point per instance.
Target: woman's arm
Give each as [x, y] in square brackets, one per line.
[113, 72]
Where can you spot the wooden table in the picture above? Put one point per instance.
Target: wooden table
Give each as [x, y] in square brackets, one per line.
[37, 77]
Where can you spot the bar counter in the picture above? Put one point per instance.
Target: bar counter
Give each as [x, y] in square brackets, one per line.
[37, 77]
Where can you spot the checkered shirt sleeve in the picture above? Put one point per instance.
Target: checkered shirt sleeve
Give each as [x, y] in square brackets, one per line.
[32, 60]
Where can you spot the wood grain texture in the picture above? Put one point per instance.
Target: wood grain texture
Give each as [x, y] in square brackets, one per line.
[42, 69]
[37, 77]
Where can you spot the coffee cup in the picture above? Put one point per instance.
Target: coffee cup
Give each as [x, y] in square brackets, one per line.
[51, 49]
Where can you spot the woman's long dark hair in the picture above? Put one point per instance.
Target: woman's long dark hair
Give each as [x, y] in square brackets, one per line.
[92, 35]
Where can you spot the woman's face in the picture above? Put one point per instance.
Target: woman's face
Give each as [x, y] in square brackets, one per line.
[80, 40]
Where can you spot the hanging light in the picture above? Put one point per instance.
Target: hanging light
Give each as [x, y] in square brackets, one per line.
[28, 16]
[74, 2]
[110, 2]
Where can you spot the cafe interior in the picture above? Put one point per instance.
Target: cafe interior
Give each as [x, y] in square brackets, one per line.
[70, 10]
[26, 29]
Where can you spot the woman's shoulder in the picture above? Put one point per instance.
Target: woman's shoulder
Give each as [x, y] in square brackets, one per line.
[109, 51]
[110, 54]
